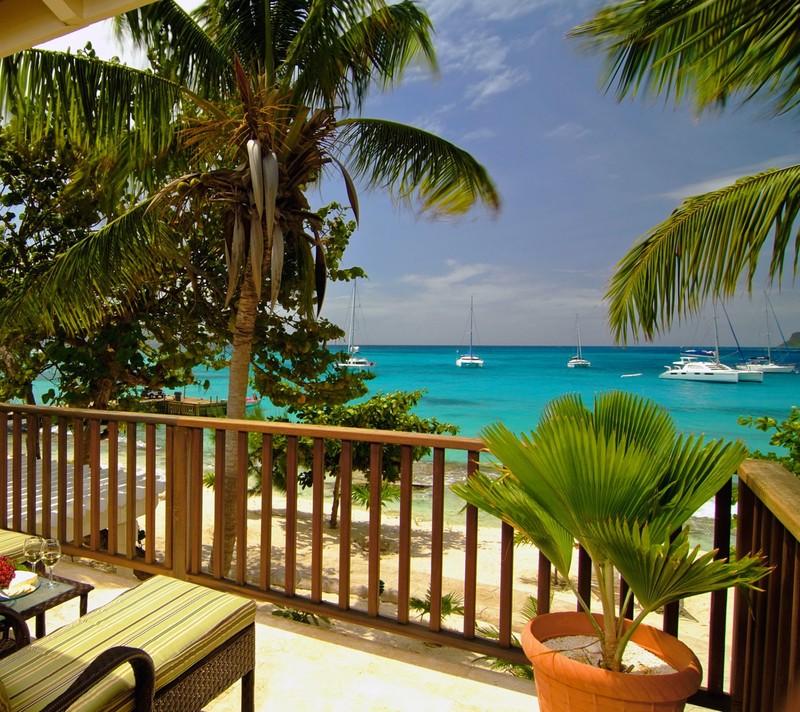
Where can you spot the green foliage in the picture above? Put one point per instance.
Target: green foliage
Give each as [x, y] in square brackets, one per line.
[46, 209]
[305, 617]
[620, 481]
[361, 494]
[786, 435]
[522, 671]
[383, 411]
[452, 604]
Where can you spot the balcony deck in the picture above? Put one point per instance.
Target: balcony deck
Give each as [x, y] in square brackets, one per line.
[365, 571]
[341, 668]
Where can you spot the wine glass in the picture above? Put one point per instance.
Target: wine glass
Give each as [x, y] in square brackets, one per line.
[51, 553]
[32, 550]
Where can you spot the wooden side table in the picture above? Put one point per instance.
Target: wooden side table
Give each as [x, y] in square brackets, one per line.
[37, 603]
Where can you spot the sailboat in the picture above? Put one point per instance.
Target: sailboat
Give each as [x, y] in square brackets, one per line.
[470, 360]
[764, 364]
[354, 360]
[577, 361]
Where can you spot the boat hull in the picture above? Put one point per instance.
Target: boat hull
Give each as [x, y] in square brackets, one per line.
[700, 376]
[355, 363]
[578, 363]
[751, 376]
[469, 362]
[766, 368]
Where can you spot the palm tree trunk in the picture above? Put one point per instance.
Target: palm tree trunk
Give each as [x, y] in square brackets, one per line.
[244, 331]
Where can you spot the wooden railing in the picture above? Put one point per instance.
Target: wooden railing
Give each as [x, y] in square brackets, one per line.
[766, 626]
[375, 566]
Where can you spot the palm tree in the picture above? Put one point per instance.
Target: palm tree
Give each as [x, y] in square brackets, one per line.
[710, 51]
[259, 98]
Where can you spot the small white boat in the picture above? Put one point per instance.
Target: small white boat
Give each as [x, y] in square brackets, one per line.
[354, 360]
[577, 361]
[470, 360]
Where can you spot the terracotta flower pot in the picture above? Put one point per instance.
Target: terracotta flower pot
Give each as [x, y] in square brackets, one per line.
[565, 685]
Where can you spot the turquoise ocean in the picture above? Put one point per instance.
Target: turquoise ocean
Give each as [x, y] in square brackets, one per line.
[516, 382]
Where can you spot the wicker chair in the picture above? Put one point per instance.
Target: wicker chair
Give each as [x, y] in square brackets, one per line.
[164, 645]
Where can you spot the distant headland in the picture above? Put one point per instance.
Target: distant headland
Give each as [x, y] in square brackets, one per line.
[794, 340]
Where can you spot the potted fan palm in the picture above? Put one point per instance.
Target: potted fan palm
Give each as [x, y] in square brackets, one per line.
[621, 481]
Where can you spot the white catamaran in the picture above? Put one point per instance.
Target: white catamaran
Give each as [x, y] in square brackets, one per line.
[469, 359]
[577, 361]
[354, 360]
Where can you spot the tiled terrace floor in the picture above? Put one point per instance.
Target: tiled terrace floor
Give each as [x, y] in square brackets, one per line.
[341, 669]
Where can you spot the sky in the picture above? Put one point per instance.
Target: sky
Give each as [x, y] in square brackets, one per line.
[580, 175]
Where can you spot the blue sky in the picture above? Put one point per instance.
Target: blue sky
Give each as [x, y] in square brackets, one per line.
[580, 175]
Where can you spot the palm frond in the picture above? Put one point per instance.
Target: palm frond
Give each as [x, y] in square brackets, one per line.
[703, 249]
[697, 471]
[104, 273]
[191, 56]
[414, 164]
[579, 468]
[339, 68]
[503, 498]
[658, 573]
[619, 481]
[92, 99]
[709, 50]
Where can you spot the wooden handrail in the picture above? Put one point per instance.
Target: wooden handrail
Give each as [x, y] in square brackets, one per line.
[781, 494]
[303, 430]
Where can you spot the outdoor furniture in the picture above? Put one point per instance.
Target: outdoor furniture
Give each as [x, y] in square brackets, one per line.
[186, 644]
[11, 544]
[38, 602]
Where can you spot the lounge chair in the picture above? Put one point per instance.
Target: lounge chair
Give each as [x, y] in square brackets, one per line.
[185, 643]
[11, 544]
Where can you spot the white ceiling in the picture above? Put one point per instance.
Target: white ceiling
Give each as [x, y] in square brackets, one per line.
[24, 23]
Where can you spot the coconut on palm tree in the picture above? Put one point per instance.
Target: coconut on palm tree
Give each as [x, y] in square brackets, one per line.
[711, 52]
[622, 482]
[247, 105]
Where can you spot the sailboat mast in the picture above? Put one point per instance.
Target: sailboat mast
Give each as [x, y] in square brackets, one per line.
[471, 300]
[351, 332]
[766, 317]
[716, 335]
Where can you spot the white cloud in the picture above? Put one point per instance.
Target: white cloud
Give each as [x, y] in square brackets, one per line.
[479, 134]
[496, 84]
[435, 306]
[720, 181]
[570, 130]
[498, 10]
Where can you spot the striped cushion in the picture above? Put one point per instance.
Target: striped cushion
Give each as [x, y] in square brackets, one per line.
[11, 543]
[176, 622]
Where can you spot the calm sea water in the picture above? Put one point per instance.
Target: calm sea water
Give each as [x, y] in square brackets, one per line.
[517, 382]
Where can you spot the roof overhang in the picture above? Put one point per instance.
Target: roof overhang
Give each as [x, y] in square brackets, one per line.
[25, 23]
